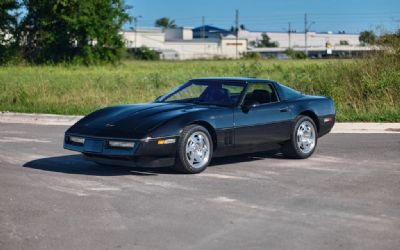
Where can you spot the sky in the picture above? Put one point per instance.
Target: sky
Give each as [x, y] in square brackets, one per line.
[350, 16]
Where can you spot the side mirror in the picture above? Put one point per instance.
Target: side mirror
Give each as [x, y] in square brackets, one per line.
[247, 106]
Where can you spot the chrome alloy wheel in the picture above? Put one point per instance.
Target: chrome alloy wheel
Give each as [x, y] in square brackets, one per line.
[305, 137]
[197, 150]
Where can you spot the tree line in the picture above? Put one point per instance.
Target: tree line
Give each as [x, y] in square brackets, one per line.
[86, 32]
[53, 31]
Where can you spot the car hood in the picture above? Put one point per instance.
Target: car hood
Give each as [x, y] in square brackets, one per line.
[130, 121]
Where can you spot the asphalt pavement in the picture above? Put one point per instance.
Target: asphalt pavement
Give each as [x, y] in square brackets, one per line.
[347, 196]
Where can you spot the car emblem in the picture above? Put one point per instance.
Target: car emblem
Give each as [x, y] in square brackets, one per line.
[109, 125]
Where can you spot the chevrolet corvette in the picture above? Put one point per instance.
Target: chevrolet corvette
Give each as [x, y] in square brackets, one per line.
[201, 119]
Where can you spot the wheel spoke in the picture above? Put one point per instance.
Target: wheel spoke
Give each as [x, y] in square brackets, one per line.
[189, 146]
[191, 160]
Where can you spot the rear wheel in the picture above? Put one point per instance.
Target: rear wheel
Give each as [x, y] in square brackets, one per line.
[303, 140]
[194, 150]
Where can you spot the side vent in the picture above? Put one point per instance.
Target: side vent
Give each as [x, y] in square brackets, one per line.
[228, 140]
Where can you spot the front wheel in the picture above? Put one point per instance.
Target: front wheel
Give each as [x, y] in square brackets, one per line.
[194, 150]
[303, 139]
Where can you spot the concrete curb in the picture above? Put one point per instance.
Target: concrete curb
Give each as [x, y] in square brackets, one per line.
[68, 120]
[39, 119]
[366, 128]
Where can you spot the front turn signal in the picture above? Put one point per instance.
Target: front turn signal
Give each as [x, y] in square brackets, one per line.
[165, 141]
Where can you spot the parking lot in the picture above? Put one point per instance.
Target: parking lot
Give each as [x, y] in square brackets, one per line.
[347, 196]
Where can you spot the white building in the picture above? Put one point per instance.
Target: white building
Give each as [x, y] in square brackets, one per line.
[298, 39]
[213, 42]
[150, 37]
[179, 44]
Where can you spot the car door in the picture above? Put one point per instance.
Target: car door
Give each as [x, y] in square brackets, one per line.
[261, 118]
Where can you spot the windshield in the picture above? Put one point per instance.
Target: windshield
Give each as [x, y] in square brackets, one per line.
[208, 93]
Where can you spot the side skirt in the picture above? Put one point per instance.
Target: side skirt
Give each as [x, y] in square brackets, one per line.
[247, 149]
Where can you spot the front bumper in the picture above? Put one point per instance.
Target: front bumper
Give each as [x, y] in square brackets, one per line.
[146, 162]
[145, 152]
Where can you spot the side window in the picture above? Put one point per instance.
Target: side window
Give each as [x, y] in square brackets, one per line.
[289, 93]
[260, 93]
[234, 91]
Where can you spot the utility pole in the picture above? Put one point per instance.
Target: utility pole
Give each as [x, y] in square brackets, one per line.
[290, 35]
[203, 28]
[135, 20]
[203, 33]
[305, 34]
[237, 33]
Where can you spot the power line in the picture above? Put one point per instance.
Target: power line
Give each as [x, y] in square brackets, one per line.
[328, 20]
[290, 35]
[237, 33]
[305, 33]
[203, 32]
[283, 15]
[203, 28]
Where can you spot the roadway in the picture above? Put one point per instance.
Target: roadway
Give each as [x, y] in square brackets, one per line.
[345, 197]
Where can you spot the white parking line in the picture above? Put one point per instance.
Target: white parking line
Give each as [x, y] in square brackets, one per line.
[221, 176]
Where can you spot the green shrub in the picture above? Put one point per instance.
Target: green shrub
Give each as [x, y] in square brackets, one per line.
[250, 55]
[295, 54]
[143, 53]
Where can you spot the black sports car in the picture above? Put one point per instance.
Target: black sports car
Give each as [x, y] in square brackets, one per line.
[201, 119]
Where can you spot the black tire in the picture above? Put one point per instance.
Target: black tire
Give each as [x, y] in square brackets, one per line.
[181, 163]
[290, 149]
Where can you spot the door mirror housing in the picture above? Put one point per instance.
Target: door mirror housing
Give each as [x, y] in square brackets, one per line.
[247, 106]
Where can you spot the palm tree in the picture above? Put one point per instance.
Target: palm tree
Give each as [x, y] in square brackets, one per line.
[165, 22]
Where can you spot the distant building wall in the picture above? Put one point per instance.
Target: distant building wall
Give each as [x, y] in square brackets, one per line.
[192, 50]
[187, 33]
[229, 45]
[151, 38]
[298, 40]
[183, 33]
[179, 44]
[198, 49]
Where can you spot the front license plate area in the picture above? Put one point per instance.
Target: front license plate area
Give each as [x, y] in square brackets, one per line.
[93, 146]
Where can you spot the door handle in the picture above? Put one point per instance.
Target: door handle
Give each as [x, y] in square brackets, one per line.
[285, 109]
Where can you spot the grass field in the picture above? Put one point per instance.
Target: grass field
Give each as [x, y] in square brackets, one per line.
[363, 90]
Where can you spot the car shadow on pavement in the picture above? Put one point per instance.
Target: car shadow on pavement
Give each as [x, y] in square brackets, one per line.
[271, 154]
[76, 164]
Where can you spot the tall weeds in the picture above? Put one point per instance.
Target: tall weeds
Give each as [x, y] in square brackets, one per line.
[363, 89]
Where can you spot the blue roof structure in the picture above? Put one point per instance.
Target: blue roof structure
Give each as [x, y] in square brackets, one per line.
[209, 31]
